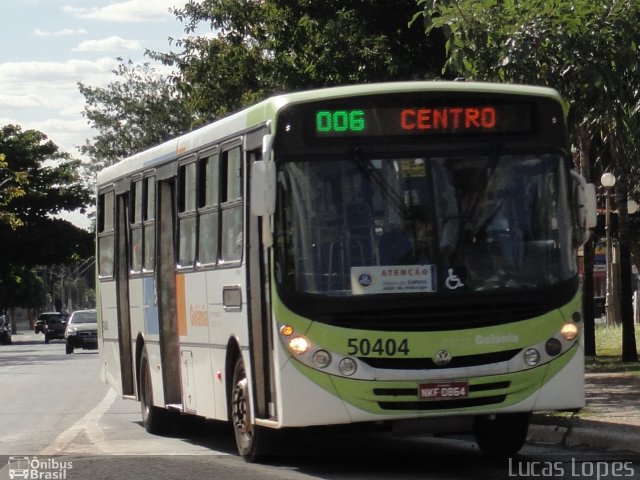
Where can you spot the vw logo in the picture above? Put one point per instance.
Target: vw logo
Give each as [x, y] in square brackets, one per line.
[442, 358]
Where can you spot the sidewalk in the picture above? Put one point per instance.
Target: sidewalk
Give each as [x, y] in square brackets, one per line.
[610, 421]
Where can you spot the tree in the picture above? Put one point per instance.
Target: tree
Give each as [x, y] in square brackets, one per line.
[53, 185]
[263, 47]
[140, 109]
[258, 48]
[10, 187]
[587, 50]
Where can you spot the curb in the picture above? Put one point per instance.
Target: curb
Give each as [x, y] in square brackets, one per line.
[598, 435]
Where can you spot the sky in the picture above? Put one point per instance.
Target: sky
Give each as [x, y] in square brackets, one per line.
[51, 45]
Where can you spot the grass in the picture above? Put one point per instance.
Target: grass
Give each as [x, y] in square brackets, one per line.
[609, 351]
[609, 339]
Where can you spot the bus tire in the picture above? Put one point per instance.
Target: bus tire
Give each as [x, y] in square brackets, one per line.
[154, 419]
[249, 437]
[502, 434]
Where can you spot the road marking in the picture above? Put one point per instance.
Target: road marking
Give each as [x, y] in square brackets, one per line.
[89, 425]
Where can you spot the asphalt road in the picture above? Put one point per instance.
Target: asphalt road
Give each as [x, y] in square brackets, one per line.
[57, 416]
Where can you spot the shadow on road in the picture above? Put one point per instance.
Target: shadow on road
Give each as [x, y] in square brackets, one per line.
[32, 350]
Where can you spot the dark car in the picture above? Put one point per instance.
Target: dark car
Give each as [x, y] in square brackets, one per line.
[42, 320]
[52, 324]
[82, 330]
[5, 331]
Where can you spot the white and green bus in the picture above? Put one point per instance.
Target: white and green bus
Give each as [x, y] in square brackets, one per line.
[373, 253]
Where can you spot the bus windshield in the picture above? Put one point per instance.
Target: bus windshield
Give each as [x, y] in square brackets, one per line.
[424, 225]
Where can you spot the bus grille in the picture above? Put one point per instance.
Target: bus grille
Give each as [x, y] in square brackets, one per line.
[429, 364]
[433, 318]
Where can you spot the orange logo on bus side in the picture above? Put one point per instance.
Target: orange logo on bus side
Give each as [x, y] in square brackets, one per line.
[181, 305]
[199, 316]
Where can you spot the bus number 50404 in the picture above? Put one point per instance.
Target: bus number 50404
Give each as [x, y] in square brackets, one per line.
[379, 346]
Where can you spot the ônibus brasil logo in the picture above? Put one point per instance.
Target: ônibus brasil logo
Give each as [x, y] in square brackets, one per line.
[33, 468]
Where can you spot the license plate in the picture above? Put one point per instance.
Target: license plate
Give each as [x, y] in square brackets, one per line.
[443, 390]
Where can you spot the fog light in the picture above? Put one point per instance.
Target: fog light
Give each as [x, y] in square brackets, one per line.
[299, 345]
[553, 347]
[569, 331]
[531, 357]
[321, 358]
[348, 366]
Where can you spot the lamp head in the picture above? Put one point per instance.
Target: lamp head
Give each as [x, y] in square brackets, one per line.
[608, 180]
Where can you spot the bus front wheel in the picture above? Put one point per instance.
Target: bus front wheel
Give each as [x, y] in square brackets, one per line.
[502, 434]
[154, 419]
[248, 436]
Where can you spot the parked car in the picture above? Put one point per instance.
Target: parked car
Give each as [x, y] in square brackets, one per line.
[5, 330]
[53, 325]
[42, 320]
[82, 330]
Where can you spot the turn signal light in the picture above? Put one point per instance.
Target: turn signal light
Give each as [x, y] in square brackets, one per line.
[286, 330]
[569, 331]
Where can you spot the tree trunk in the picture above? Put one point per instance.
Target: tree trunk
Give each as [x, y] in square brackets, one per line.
[629, 350]
[584, 153]
[587, 299]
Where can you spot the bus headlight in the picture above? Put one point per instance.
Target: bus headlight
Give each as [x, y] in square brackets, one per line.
[569, 331]
[553, 347]
[348, 366]
[321, 358]
[299, 345]
[531, 357]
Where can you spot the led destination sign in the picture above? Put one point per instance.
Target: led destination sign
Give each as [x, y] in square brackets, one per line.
[422, 120]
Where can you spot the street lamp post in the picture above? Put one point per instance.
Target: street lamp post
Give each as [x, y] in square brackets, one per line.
[608, 180]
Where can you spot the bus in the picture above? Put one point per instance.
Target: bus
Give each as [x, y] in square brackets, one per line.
[397, 253]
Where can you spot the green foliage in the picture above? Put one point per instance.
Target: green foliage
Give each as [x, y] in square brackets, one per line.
[54, 185]
[10, 187]
[140, 109]
[260, 48]
[588, 51]
[585, 49]
[609, 339]
[23, 288]
[254, 49]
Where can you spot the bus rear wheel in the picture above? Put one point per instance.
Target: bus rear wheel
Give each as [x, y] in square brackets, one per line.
[154, 419]
[249, 437]
[501, 435]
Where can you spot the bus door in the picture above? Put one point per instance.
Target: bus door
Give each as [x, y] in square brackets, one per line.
[258, 281]
[122, 288]
[166, 287]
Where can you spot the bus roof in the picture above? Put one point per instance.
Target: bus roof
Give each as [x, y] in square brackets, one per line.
[267, 110]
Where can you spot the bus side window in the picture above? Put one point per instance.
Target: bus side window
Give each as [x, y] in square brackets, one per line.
[231, 204]
[187, 214]
[208, 208]
[149, 225]
[106, 245]
[136, 227]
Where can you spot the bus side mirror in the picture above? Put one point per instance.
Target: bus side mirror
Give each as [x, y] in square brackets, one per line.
[263, 181]
[263, 189]
[585, 204]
